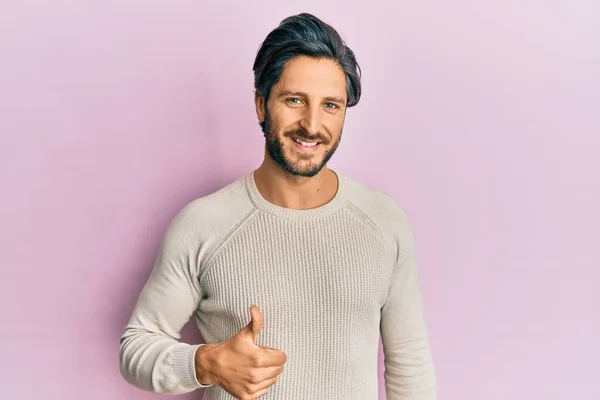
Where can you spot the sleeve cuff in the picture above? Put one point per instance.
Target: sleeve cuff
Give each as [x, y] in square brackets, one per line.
[184, 366]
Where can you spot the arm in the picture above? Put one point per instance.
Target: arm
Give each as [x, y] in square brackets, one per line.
[151, 355]
[409, 369]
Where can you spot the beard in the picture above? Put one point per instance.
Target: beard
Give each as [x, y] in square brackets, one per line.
[303, 165]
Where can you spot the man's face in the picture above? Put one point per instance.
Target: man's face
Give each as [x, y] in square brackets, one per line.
[304, 116]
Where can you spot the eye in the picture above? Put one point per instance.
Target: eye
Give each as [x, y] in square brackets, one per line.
[293, 100]
[331, 106]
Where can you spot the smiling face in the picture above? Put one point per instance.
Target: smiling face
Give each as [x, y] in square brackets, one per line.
[304, 116]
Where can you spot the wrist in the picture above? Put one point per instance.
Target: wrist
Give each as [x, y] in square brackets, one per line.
[202, 365]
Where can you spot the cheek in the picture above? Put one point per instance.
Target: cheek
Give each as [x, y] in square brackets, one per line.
[280, 120]
[334, 126]
[287, 119]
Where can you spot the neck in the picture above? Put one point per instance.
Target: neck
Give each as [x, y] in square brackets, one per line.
[283, 189]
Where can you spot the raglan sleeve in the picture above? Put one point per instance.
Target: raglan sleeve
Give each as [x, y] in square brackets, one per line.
[409, 369]
[152, 357]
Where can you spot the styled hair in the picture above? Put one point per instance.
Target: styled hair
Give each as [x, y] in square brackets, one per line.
[304, 35]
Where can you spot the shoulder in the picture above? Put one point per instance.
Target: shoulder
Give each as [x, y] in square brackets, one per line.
[381, 210]
[208, 218]
[374, 203]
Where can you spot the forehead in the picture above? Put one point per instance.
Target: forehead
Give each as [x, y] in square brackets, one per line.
[316, 77]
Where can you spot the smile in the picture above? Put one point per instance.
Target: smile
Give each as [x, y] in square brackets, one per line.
[306, 146]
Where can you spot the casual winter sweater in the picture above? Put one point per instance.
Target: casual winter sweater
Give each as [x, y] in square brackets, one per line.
[328, 281]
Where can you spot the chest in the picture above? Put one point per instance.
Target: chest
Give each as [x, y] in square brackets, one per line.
[291, 271]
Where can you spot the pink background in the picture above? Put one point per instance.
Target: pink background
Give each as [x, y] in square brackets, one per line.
[482, 120]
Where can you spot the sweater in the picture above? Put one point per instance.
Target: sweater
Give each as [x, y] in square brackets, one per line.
[330, 282]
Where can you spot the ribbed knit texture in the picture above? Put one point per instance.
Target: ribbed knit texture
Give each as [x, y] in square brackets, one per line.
[328, 282]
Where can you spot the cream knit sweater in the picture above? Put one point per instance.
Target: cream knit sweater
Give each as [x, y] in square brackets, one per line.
[329, 281]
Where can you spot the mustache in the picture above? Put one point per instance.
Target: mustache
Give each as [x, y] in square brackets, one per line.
[303, 135]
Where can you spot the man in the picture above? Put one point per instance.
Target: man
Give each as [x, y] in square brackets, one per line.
[294, 270]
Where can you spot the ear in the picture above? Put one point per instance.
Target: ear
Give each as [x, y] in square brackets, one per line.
[259, 102]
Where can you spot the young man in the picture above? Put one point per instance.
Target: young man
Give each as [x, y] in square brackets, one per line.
[294, 271]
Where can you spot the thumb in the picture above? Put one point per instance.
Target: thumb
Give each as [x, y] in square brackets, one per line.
[256, 323]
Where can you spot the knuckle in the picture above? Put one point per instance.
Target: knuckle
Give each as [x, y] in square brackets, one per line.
[256, 360]
[254, 376]
[250, 390]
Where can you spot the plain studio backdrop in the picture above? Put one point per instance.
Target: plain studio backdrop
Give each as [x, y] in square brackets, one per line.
[481, 118]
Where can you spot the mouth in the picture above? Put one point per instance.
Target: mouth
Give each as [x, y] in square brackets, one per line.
[306, 145]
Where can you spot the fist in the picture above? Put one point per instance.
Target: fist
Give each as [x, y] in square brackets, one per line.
[238, 365]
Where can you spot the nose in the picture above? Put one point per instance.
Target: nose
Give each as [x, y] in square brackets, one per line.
[311, 120]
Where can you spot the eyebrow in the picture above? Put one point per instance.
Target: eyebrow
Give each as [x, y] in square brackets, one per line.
[302, 94]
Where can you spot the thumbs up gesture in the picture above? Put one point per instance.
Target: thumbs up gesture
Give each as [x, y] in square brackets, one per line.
[255, 325]
[241, 367]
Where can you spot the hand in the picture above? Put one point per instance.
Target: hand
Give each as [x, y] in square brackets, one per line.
[238, 365]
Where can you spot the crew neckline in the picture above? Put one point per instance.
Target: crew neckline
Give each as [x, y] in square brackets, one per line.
[296, 214]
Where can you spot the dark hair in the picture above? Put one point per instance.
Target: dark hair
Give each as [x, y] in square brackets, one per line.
[303, 34]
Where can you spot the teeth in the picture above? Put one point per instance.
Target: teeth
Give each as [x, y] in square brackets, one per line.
[306, 144]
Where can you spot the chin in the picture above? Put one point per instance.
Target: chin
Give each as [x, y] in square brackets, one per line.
[296, 163]
[307, 171]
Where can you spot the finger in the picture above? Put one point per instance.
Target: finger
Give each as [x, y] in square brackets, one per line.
[262, 374]
[272, 357]
[260, 394]
[255, 325]
[256, 321]
[260, 389]
[271, 372]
